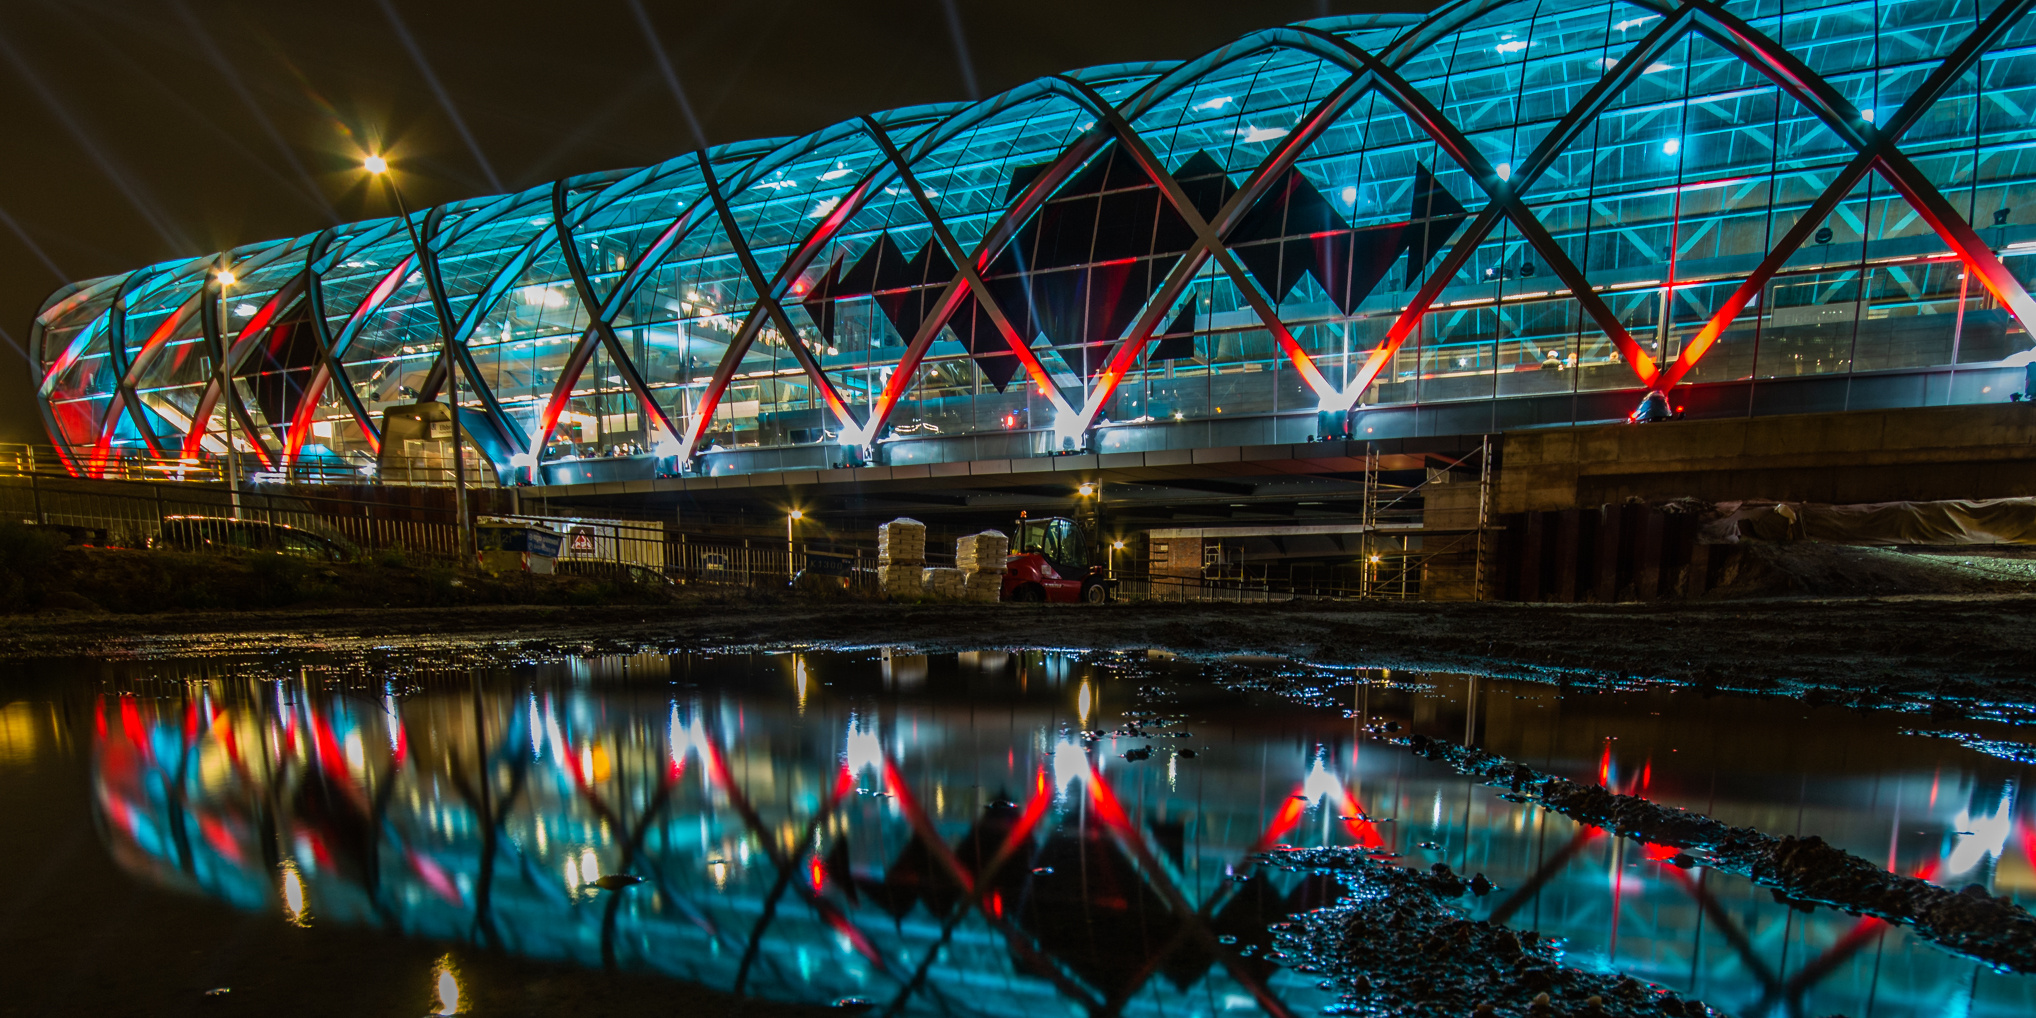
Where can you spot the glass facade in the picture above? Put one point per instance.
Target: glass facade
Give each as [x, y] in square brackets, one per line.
[1500, 214]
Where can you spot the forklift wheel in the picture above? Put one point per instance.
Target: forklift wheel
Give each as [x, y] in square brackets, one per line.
[1031, 593]
[1096, 593]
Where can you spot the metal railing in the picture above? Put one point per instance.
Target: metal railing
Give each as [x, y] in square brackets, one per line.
[131, 515]
[23, 459]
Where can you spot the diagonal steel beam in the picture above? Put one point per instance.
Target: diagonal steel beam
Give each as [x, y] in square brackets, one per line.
[329, 367]
[1877, 151]
[461, 358]
[1019, 836]
[971, 276]
[768, 301]
[1126, 351]
[124, 394]
[1111, 812]
[1593, 103]
[1445, 20]
[1452, 141]
[1208, 240]
[205, 305]
[922, 825]
[719, 772]
[1035, 194]
[816, 240]
[561, 216]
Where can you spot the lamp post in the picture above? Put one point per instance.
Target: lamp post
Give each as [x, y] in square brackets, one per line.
[379, 167]
[790, 518]
[1115, 547]
[226, 278]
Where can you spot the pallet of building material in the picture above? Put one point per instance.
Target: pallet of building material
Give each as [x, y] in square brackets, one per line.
[942, 583]
[982, 553]
[900, 580]
[902, 540]
[983, 586]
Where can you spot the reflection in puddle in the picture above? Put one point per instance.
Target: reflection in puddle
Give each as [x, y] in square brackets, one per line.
[998, 834]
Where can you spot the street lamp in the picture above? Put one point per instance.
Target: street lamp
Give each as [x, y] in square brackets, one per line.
[226, 279]
[1115, 547]
[790, 518]
[379, 167]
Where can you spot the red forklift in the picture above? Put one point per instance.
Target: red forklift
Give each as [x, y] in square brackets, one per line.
[1058, 559]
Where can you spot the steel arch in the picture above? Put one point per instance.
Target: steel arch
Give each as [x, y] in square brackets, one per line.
[1567, 130]
[1932, 88]
[1875, 148]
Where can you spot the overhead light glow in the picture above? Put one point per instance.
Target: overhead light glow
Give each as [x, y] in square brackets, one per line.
[375, 165]
[1671, 147]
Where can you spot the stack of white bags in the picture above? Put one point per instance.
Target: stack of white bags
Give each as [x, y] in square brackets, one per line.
[942, 583]
[901, 555]
[981, 558]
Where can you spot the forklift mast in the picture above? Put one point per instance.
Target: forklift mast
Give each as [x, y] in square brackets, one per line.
[1089, 517]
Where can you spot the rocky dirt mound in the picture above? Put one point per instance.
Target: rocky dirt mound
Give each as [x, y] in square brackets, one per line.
[1394, 946]
[1811, 569]
[1799, 870]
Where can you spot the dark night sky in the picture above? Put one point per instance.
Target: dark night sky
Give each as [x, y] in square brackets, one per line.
[143, 130]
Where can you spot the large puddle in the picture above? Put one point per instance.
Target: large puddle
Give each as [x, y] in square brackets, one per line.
[976, 834]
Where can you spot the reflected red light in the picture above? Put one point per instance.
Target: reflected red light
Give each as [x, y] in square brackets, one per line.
[221, 840]
[1283, 821]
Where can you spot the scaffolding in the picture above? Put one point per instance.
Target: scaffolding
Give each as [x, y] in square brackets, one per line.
[1425, 540]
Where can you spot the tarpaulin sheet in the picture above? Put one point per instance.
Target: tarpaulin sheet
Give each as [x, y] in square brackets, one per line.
[1953, 522]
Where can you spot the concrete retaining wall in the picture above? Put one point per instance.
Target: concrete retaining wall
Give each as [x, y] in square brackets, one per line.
[1973, 451]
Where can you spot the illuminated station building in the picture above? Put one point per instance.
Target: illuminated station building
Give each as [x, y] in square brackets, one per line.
[1499, 215]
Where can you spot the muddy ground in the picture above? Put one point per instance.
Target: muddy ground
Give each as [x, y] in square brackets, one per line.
[1916, 651]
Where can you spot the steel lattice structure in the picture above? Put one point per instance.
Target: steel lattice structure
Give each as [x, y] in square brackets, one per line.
[1504, 212]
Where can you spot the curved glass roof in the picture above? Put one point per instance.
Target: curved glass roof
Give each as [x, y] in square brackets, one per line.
[1504, 212]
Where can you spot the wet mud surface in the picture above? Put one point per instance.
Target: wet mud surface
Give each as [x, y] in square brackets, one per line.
[1943, 655]
[1802, 870]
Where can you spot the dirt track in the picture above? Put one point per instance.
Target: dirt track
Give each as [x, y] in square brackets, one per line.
[1866, 651]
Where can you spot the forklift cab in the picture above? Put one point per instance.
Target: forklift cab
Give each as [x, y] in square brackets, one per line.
[1051, 561]
[1059, 540]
